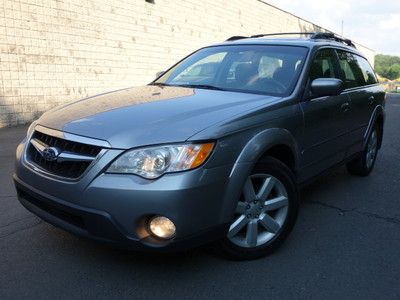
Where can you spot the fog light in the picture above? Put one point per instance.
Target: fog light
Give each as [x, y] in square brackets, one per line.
[162, 227]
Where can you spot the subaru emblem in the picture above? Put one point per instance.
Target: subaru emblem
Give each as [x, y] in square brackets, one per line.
[50, 153]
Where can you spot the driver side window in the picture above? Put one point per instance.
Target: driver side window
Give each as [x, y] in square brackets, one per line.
[323, 65]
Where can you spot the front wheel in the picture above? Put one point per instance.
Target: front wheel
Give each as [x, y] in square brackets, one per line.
[265, 213]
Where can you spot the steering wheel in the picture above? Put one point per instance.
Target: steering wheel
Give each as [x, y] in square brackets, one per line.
[271, 85]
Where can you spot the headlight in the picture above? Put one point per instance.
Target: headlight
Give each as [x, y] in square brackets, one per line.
[155, 161]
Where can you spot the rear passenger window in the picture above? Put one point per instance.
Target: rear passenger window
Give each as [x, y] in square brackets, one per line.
[367, 71]
[353, 75]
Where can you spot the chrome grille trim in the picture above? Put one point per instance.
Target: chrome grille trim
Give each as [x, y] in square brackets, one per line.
[64, 155]
[72, 137]
[73, 157]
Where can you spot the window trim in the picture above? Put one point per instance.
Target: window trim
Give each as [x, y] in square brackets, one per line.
[376, 77]
[336, 66]
[343, 75]
[307, 70]
[290, 93]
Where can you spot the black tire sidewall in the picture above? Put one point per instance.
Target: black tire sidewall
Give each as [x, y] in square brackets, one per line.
[358, 166]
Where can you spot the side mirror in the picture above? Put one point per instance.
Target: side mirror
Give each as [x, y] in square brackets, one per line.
[321, 87]
[158, 74]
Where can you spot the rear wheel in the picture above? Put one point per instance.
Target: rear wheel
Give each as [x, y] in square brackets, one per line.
[265, 213]
[363, 165]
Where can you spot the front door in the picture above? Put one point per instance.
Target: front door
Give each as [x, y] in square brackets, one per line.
[325, 119]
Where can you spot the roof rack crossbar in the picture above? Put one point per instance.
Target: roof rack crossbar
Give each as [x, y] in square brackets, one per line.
[236, 37]
[332, 36]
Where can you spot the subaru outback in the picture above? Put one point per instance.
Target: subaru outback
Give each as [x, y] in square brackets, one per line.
[211, 152]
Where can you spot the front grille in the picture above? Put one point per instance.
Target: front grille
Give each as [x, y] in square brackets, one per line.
[67, 169]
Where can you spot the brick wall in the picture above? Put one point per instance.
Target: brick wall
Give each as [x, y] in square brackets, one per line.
[55, 51]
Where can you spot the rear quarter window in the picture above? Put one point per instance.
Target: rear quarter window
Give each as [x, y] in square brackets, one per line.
[367, 71]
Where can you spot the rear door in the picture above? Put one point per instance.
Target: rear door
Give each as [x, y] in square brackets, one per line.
[325, 118]
[361, 87]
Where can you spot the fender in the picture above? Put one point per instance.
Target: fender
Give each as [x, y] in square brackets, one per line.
[246, 161]
[378, 111]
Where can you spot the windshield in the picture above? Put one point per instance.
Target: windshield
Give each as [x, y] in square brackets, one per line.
[261, 69]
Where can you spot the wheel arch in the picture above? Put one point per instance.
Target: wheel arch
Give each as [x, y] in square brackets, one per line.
[276, 142]
[377, 118]
[283, 153]
[379, 122]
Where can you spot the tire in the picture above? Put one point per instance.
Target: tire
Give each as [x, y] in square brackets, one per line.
[363, 165]
[263, 217]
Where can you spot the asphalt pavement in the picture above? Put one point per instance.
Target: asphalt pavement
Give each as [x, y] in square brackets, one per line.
[346, 244]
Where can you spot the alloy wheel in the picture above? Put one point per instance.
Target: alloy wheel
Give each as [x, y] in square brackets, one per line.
[261, 211]
[372, 149]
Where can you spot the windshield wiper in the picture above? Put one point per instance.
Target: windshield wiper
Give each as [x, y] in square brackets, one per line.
[202, 86]
[194, 86]
[159, 84]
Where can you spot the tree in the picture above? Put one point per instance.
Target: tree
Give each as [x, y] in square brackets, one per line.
[387, 66]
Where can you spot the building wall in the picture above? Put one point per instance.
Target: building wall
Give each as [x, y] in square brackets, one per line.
[56, 51]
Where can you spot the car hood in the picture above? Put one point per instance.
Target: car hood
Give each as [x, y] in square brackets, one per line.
[150, 114]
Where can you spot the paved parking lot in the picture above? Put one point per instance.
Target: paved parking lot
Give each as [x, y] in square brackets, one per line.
[346, 244]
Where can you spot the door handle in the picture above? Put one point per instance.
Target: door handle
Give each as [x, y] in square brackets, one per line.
[345, 107]
[371, 100]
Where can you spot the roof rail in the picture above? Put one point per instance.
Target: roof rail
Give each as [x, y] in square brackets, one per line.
[239, 37]
[282, 33]
[313, 35]
[332, 36]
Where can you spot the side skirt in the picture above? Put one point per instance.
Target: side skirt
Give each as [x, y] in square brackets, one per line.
[327, 171]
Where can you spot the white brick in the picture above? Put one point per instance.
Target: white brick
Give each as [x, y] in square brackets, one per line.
[53, 52]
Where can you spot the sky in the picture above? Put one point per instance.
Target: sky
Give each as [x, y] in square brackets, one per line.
[371, 23]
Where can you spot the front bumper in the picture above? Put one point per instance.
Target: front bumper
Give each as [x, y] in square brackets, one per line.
[100, 226]
[114, 208]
